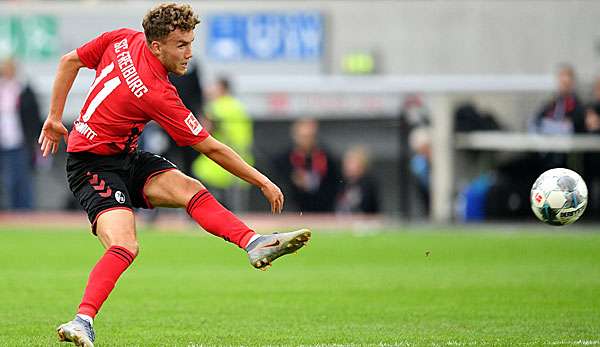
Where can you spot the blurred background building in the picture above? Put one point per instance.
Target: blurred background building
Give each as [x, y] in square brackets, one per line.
[464, 81]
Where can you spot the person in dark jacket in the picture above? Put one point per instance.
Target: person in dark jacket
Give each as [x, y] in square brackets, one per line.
[591, 161]
[563, 114]
[310, 171]
[190, 90]
[359, 193]
[19, 125]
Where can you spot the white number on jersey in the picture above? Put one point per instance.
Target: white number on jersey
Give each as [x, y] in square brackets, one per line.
[108, 88]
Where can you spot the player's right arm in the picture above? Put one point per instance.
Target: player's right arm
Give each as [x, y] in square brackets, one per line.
[228, 159]
[53, 129]
[183, 127]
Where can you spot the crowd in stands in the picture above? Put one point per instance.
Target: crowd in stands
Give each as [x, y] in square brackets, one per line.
[315, 181]
[315, 178]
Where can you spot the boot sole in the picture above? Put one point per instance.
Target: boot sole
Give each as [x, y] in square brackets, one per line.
[290, 246]
[68, 336]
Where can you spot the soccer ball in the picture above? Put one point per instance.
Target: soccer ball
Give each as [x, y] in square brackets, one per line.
[559, 197]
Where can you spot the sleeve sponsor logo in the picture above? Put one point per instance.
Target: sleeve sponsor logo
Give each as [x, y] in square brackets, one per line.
[193, 124]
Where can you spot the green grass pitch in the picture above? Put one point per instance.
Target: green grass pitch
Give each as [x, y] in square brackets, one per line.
[408, 288]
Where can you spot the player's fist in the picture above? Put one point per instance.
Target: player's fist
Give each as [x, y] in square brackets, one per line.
[52, 131]
[273, 195]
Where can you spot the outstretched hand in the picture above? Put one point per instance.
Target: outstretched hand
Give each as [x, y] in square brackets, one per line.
[52, 132]
[274, 195]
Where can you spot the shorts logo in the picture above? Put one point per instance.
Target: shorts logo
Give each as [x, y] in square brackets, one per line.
[120, 197]
[99, 185]
[193, 124]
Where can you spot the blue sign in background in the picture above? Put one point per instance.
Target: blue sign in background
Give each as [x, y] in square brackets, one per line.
[294, 36]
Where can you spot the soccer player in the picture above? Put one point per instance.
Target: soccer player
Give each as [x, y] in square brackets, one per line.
[110, 176]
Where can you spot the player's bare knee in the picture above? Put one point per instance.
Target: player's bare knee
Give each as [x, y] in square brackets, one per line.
[193, 186]
[130, 245]
[186, 189]
[122, 238]
[171, 189]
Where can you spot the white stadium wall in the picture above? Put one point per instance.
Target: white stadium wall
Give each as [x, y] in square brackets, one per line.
[409, 37]
[484, 49]
[415, 38]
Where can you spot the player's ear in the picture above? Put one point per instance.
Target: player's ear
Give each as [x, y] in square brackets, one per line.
[154, 47]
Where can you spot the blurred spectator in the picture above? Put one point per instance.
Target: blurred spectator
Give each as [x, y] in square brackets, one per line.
[562, 115]
[359, 193]
[19, 126]
[413, 113]
[591, 167]
[592, 115]
[592, 118]
[228, 122]
[311, 172]
[420, 163]
[189, 88]
[596, 91]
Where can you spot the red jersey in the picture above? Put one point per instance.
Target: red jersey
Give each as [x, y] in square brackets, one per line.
[131, 88]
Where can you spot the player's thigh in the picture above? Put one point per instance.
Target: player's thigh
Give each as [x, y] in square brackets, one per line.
[156, 182]
[97, 191]
[171, 189]
[117, 228]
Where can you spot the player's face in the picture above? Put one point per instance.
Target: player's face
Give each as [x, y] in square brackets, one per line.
[175, 51]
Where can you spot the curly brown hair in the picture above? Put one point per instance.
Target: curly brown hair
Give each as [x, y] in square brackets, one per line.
[165, 18]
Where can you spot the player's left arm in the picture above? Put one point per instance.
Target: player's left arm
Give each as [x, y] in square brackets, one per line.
[232, 162]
